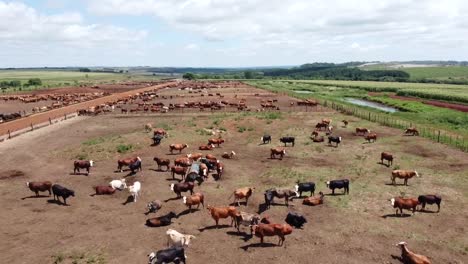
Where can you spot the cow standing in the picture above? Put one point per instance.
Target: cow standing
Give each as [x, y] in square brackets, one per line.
[82, 164]
[60, 191]
[339, 184]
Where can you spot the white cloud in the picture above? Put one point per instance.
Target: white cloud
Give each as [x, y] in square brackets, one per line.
[192, 46]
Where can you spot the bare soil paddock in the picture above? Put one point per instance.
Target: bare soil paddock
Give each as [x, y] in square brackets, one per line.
[355, 228]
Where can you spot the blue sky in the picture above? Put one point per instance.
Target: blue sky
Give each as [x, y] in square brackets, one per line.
[232, 33]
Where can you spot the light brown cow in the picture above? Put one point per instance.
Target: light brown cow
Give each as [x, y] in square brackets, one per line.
[314, 200]
[160, 132]
[178, 147]
[410, 257]
[242, 193]
[403, 174]
[194, 156]
[183, 162]
[222, 212]
[216, 141]
[206, 147]
[195, 199]
[277, 151]
[280, 230]
[360, 131]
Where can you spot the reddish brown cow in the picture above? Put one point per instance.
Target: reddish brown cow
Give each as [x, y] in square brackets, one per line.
[178, 147]
[219, 169]
[280, 230]
[404, 203]
[386, 156]
[162, 162]
[126, 162]
[160, 132]
[206, 147]
[40, 187]
[195, 199]
[326, 121]
[179, 171]
[222, 212]
[216, 141]
[277, 151]
[183, 162]
[242, 193]
[360, 131]
[372, 137]
[104, 190]
[314, 200]
[403, 174]
[194, 156]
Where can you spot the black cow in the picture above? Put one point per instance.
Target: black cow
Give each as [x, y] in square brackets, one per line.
[63, 192]
[168, 255]
[339, 184]
[164, 220]
[429, 199]
[208, 163]
[193, 176]
[295, 219]
[157, 139]
[334, 139]
[266, 139]
[135, 166]
[287, 140]
[305, 187]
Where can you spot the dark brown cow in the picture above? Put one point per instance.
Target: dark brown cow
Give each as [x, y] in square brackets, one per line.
[277, 151]
[345, 122]
[280, 230]
[178, 147]
[222, 212]
[321, 126]
[162, 162]
[82, 164]
[179, 171]
[404, 203]
[182, 187]
[126, 162]
[412, 131]
[386, 156]
[372, 137]
[40, 187]
[206, 147]
[104, 190]
[360, 131]
[216, 141]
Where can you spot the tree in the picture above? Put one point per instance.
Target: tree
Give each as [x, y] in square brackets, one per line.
[15, 83]
[34, 81]
[248, 75]
[85, 70]
[189, 76]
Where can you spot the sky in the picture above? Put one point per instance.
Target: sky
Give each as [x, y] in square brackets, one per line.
[229, 33]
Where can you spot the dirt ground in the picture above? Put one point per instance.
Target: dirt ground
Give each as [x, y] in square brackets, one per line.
[355, 228]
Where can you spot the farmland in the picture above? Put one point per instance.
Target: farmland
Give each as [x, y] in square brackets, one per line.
[355, 228]
[442, 73]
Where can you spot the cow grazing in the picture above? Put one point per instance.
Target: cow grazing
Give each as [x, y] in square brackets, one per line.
[242, 193]
[305, 187]
[118, 184]
[176, 239]
[82, 164]
[404, 203]
[266, 139]
[168, 255]
[263, 230]
[277, 152]
[314, 200]
[60, 191]
[40, 187]
[206, 147]
[403, 174]
[339, 184]
[195, 199]
[164, 220]
[286, 140]
[178, 147]
[361, 131]
[222, 212]
[126, 162]
[246, 219]
[179, 171]
[372, 137]
[183, 162]
[412, 131]
[103, 190]
[295, 219]
[135, 190]
[386, 156]
[180, 187]
[162, 162]
[270, 194]
[228, 155]
[154, 206]
[429, 199]
[334, 139]
[409, 257]
[216, 141]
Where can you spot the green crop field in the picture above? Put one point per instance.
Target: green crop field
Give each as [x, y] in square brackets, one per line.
[453, 73]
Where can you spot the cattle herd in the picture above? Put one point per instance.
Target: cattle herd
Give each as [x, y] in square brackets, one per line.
[195, 168]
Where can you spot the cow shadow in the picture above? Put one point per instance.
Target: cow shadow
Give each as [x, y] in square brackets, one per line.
[216, 177]
[235, 203]
[172, 199]
[396, 184]
[173, 179]
[257, 245]
[381, 163]
[334, 194]
[397, 258]
[244, 236]
[187, 211]
[213, 227]
[79, 173]
[129, 200]
[427, 211]
[404, 215]
[130, 174]
[34, 196]
[57, 202]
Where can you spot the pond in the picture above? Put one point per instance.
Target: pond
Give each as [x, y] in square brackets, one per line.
[375, 105]
[303, 91]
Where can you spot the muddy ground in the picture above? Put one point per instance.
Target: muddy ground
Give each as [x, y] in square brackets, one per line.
[355, 228]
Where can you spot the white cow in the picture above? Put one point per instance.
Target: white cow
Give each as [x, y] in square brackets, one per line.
[175, 238]
[118, 184]
[135, 190]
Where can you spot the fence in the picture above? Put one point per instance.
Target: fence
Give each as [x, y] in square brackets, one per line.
[437, 135]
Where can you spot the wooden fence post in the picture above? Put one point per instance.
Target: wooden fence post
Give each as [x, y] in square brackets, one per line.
[9, 134]
[32, 127]
[50, 121]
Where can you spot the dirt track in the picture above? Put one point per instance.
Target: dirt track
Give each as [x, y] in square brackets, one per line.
[55, 113]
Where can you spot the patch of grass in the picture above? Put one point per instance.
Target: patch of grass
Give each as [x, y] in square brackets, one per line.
[124, 148]
[281, 177]
[79, 257]
[216, 122]
[241, 129]
[203, 132]
[58, 258]
[164, 126]
[319, 149]
[223, 129]
[82, 156]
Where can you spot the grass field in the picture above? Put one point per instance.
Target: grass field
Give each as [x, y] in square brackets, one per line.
[430, 73]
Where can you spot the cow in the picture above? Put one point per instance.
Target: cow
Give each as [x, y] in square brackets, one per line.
[412, 131]
[182, 187]
[160, 132]
[361, 131]
[246, 219]
[104, 190]
[216, 141]
[40, 187]
[183, 162]
[242, 193]
[270, 194]
[326, 121]
[60, 191]
[148, 127]
[135, 190]
[179, 171]
[222, 212]
[339, 184]
[206, 147]
[404, 203]
[304, 187]
[178, 147]
[82, 164]
[228, 155]
[314, 200]
[126, 162]
[318, 139]
[429, 199]
[372, 137]
[135, 166]
[154, 206]
[409, 257]
[277, 151]
[286, 140]
[195, 199]
[263, 230]
[295, 219]
[403, 174]
[266, 139]
[320, 126]
[118, 184]
[176, 239]
[335, 139]
[345, 122]
[194, 156]
[386, 156]
[162, 162]
[168, 255]
[219, 169]
[157, 139]
[164, 220]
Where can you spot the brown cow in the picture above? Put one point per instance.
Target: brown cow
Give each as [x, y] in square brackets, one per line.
[277, 151]
[211, 157]
[162, 162]
[126, 162]
[319, 126]
[360, 131]
[386, 156]
[195, 199]
[404, 203]
[183, 162]
[318, 139]
[410, 257]
[345, 122]
[194, 156]
[219, 169]
[40, 187]
[403, 174]
[104, 190]
[206, 147]
[182, 187]
[216, 141]
[82, 164]
[413, 131]
[178, 147]
[228, 155]
[263, 230]
[160, 132]
[326, 121]
[242, 193]
[222, 212]
[179, 171]
[314, 200]
[371, 137]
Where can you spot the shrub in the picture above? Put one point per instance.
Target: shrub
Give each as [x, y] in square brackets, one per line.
[124, 148]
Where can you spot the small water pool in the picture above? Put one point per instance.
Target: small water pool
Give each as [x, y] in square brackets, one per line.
[375, 105]
[303, 91]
